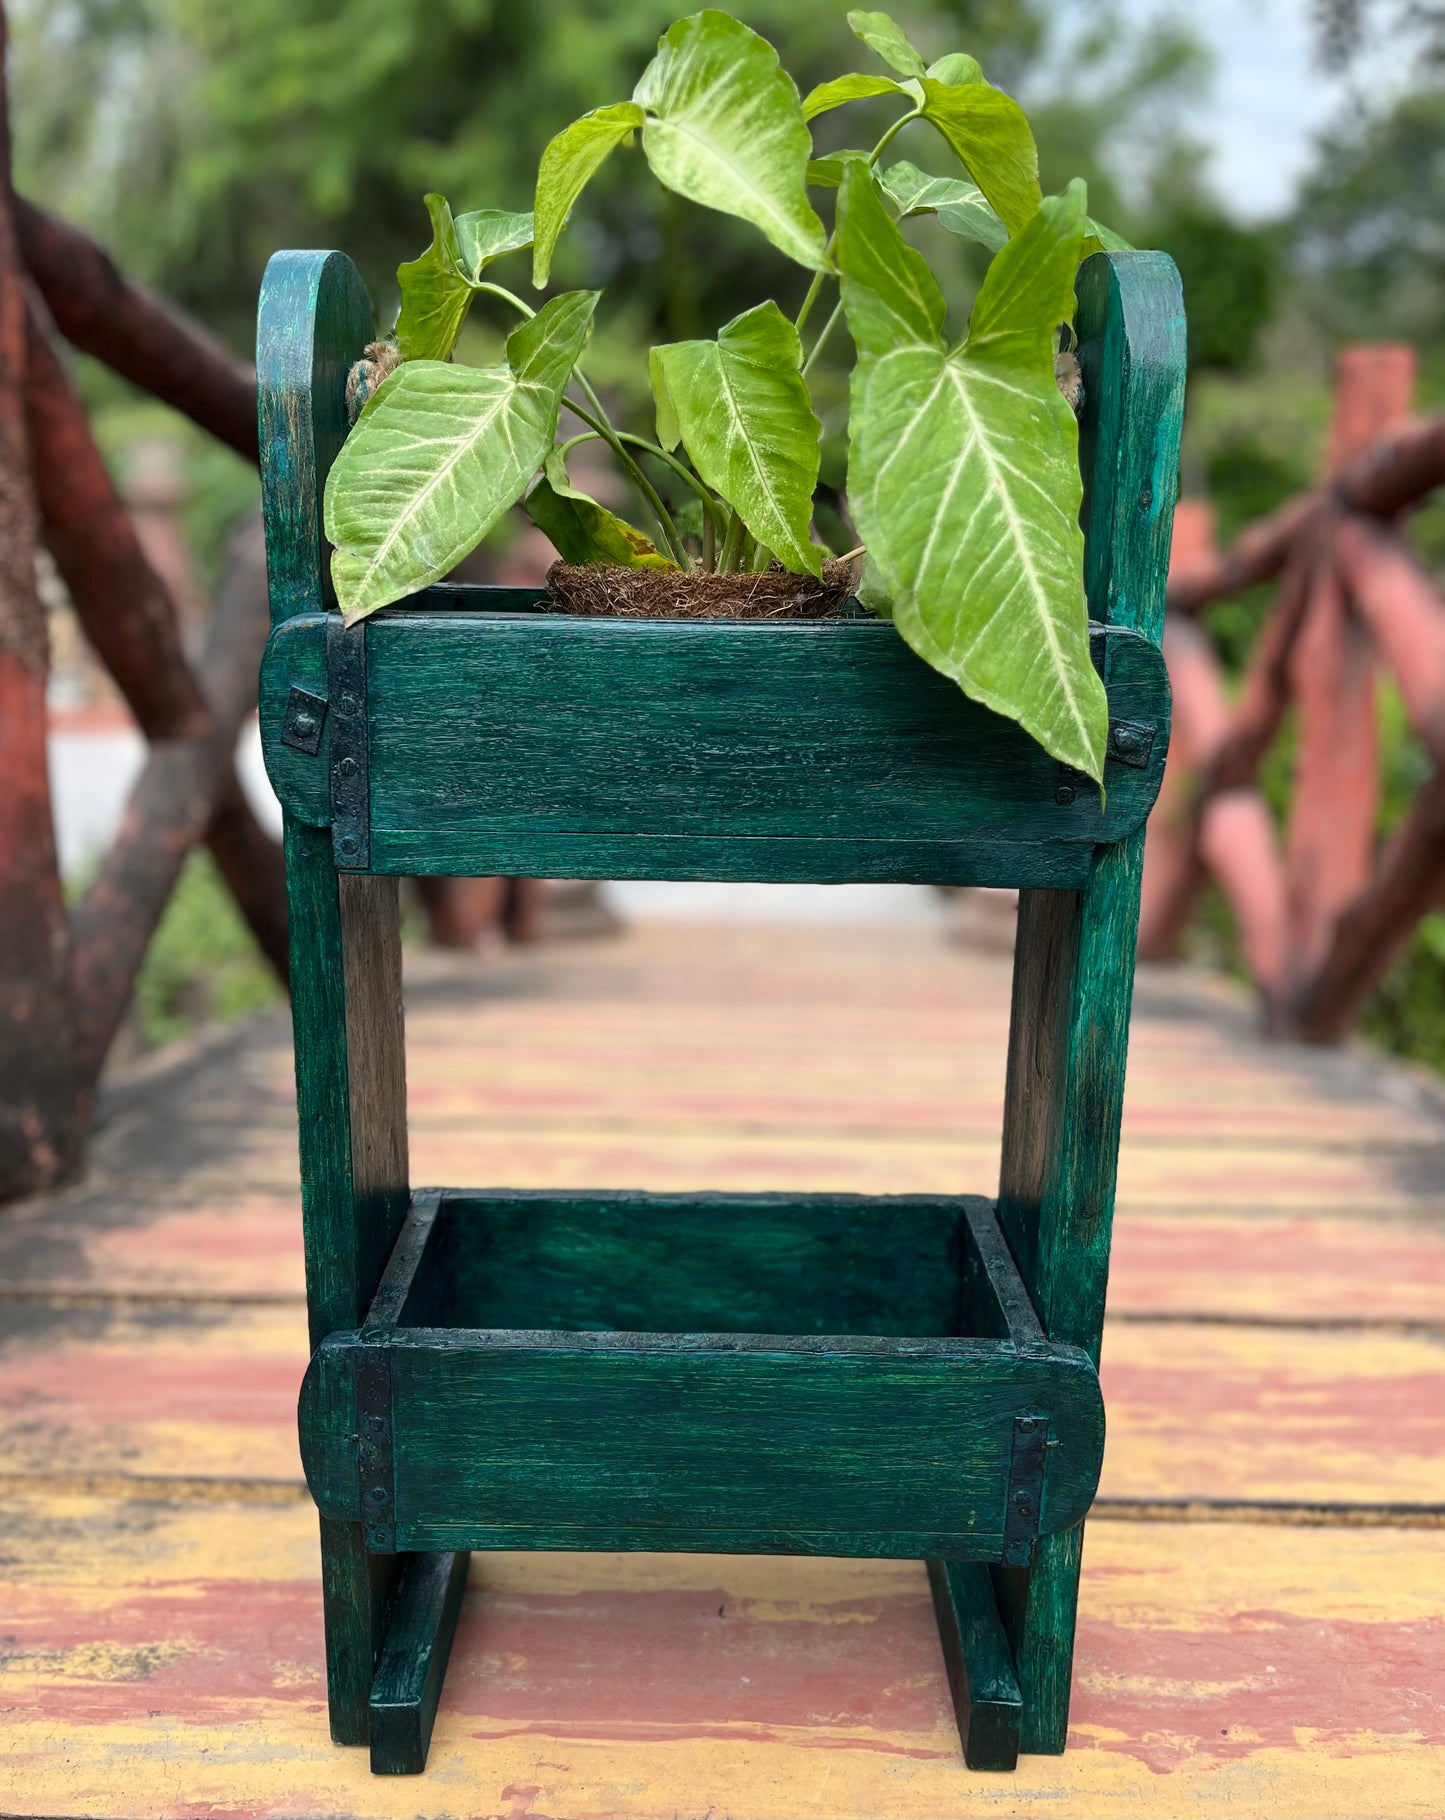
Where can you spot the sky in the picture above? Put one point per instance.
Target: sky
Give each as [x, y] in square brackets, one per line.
[1268, 99]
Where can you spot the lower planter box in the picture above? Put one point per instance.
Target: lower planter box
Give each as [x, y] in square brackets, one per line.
[513, 1387]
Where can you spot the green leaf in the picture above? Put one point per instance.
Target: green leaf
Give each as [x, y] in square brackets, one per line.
[438, 455]
[437, 289]
[827, 173]
[740, 405]
[887, 39]
[842, 89]
[890, 296]
[725, 129]
[1101, 239]
[964, 476]
[872, 591]
[567, 165]
[584, 531]
[960, 206]
[435, 297]
[990, 132]
[957, 68]
[485, 234]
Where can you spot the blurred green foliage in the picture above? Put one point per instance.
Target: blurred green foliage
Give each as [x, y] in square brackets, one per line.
[203, 965]
[1231, 278]
[1369, 231]
[194, 138]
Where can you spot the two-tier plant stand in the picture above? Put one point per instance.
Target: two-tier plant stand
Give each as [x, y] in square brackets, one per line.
[598, 1369]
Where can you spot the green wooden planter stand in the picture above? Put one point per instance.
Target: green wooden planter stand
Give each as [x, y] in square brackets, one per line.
[823, 1374]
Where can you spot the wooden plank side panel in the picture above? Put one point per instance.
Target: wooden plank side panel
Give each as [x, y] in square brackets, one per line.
[540, 744]
[834, 1446]
[700, 1263]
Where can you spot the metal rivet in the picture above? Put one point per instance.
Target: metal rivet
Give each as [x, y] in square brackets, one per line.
[349, 843]
[377, 1494]
[1064, 794]
[377, 1424]
[1021, 1500]
[347, 704]
[303, 724]
[380, 1539]
[347, 767]
[1026, 1425]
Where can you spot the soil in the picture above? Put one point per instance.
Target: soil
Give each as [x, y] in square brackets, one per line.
[600, 590]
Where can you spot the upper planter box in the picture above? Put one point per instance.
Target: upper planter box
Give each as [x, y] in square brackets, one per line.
[468, 733]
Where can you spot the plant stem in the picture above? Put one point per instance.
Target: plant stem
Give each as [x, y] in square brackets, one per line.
[732, 547]
[498, 290]
[823, 335]
[892, 133]
[811, 296]
[644, 486]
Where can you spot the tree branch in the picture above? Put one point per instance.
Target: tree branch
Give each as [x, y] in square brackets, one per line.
[135, 333]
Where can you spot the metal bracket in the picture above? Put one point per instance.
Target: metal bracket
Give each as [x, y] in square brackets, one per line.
[350, 757]
[1130, 743]
[375, 1463]
[1025, 1489]
[304, 721]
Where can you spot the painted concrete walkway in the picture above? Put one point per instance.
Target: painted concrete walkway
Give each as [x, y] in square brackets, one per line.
[1263, 1620]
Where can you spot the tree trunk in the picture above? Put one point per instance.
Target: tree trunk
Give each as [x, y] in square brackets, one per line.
[43, 1109]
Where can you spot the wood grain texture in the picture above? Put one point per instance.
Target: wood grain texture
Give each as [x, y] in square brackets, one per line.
[979, 1664]
[1074, 961]
[413, 1662]
[344, 936]
[538, 744]
[314, 320]
[703, 1263]
[832, 1445]
[164, 1647]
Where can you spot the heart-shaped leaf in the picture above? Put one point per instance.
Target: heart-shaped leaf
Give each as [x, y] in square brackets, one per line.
[963, 473]
[581, 530]
[891, 298]
[956, 68]
[567, 165]
[842, 89]
[989, 131]
[827, 173]
[440, 452]
[960, 206]
[1101, 239]
[883, 36]
[740, 406]
[437, 289]
[725, 128]
[485, 234]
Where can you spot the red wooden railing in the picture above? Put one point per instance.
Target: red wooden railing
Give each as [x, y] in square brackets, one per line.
[1323, 908]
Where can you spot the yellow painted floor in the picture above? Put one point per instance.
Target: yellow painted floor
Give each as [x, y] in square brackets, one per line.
[1262, 1629]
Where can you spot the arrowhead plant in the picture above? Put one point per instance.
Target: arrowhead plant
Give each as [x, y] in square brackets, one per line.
[963, 472]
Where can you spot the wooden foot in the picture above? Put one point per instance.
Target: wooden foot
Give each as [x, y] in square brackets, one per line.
[980, 1664]
[413, 1661]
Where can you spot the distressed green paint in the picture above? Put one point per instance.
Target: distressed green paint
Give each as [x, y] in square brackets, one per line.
[832, 1444]
[807, 1373]
[1074, 962]
[539, 745]
[314, 322]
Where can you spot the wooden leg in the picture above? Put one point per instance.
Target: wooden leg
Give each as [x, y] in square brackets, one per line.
[413, 1661]
[1038, 1606]
[356, 1594]
[980, 1664]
